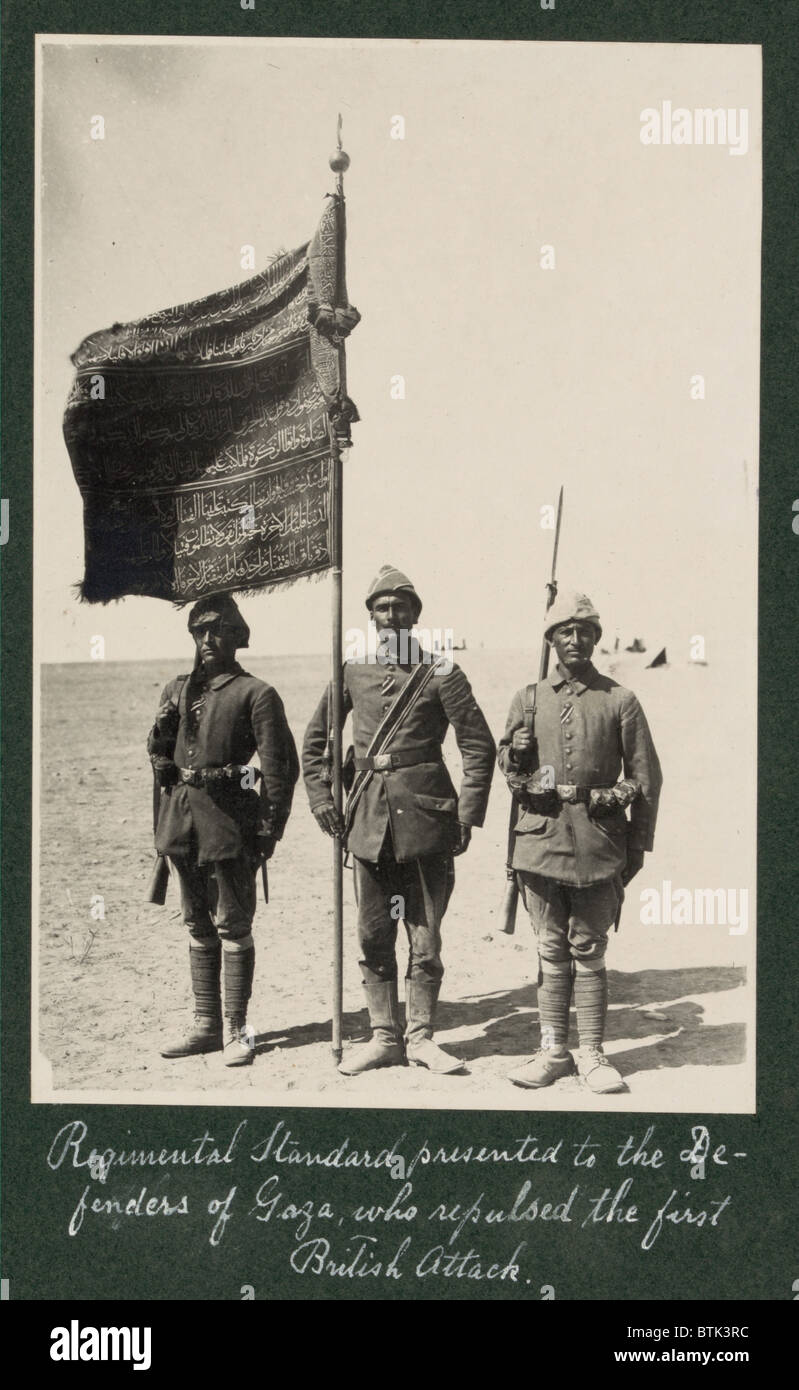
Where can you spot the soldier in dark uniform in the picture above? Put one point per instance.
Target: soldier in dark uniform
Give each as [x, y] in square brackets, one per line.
[574, 848]
[214, 826]
[408, 823]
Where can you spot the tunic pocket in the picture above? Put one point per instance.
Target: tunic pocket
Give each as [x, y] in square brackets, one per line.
[448, 805]
[613, 825]
[532, 823]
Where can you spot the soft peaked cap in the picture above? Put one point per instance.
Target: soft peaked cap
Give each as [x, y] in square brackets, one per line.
[569, 607]
[390, 580]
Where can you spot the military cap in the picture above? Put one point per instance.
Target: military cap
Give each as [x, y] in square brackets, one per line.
[390, 580]
[571, 607]
[225, 608]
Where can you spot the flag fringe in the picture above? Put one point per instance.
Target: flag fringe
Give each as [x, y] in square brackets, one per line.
[79, 591]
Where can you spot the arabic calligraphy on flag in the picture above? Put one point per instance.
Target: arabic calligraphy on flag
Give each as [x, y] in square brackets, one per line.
[201, 436]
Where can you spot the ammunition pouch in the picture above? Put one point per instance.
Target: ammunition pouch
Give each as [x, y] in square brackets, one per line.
[531, 796]
[600, 801]
[605, 800]
[213, 776]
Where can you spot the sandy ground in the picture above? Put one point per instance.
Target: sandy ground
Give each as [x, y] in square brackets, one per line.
[110, 990]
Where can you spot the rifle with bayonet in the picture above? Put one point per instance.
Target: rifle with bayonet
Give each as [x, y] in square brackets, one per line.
[510, 898]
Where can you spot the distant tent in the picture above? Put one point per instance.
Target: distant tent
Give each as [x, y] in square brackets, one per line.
[637, 646]
[659, 660]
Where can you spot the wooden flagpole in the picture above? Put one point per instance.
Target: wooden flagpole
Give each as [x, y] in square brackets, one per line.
[339, 163]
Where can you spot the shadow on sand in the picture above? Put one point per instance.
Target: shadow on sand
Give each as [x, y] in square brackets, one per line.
[506, 1023]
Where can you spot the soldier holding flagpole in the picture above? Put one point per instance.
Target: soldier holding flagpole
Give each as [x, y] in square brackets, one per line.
[404, 822]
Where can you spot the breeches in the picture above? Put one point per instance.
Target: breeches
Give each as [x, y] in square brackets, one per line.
[216, 899]
[570, 923]
[417, 892]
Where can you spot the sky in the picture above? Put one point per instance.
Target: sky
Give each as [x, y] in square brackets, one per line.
[517, 378]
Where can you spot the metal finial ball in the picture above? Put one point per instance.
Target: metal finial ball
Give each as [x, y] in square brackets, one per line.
[339, 162]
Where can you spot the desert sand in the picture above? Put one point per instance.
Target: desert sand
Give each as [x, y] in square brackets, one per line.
[111, 989]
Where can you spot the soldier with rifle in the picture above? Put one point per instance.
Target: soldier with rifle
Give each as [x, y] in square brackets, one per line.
[214, 826]
[404, 823]
[576, 753]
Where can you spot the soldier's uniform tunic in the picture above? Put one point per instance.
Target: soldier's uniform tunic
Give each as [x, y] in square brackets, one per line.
[405, 825]
[572, 841]
[589, 732]
[212, 824]
[210, 831]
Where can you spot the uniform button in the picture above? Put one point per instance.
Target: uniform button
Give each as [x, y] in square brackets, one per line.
[569, 766]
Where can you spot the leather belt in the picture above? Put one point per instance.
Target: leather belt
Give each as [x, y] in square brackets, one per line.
[404, 757]
[202, 776]
[571, 793]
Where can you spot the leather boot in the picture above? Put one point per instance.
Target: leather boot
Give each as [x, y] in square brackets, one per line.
[239, 1041]
[421, 997]
[385, 1048]
[206, 1035]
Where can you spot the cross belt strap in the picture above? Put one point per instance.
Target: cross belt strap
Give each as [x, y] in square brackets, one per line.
[404, 757]
[403, 703]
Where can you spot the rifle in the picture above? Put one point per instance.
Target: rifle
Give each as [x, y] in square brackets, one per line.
[159, 878]
[510, 898]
